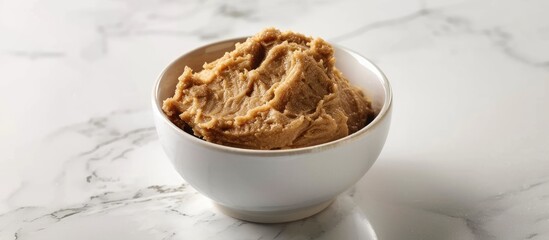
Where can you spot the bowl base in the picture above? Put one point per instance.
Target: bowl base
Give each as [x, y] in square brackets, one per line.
[276, 216]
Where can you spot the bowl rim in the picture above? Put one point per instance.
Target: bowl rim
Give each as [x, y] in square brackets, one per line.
[385, 109]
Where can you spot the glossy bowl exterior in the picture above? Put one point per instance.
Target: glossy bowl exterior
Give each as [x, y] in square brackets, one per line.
[274, 180]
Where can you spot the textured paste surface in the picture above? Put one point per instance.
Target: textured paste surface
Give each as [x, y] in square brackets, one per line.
[276, 90]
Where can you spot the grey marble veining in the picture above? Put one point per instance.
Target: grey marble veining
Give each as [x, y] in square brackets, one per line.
[466, 157]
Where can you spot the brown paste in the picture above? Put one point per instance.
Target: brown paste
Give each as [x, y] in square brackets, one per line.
[276, 90]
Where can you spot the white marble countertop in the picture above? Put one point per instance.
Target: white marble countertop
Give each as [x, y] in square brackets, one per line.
[467, 156]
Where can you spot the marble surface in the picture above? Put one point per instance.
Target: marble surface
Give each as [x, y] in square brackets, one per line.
[467, 156]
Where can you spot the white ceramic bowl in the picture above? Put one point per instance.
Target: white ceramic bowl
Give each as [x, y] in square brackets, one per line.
[274, 185]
